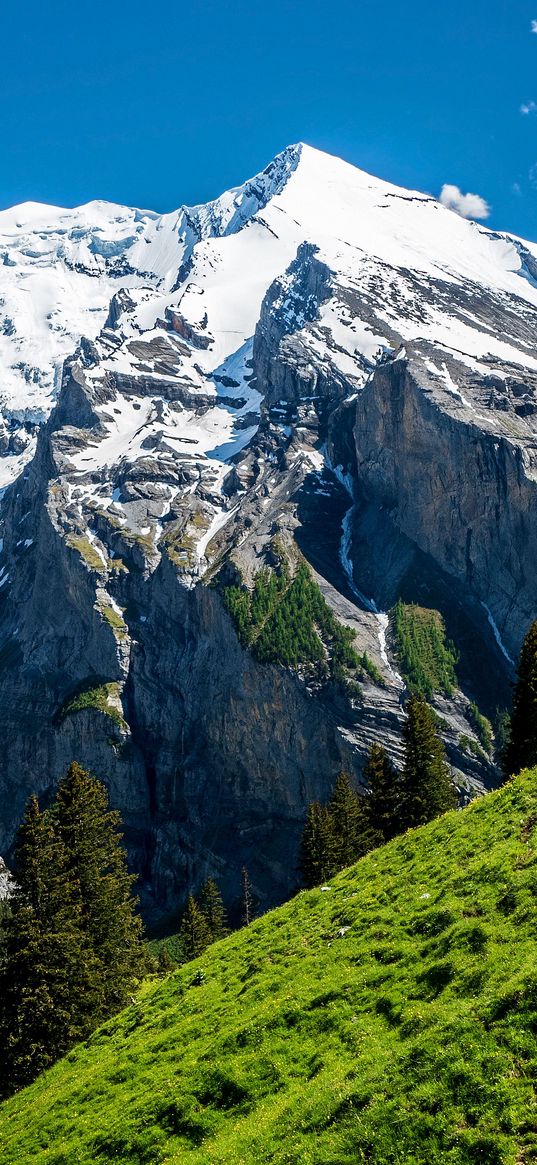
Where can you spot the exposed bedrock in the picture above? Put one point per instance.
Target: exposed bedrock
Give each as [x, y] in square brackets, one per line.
[463, 495]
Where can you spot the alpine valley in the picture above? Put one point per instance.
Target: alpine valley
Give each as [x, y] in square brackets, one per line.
[316, 372]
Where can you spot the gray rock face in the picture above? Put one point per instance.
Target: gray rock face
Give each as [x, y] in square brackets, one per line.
[218, 755]
[370, 406]
[6, 881]
[474, 514]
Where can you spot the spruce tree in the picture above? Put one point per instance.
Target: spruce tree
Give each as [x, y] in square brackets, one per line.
[351, 832]
[426, 785]
[317, 858]
[212, 908]
[521, 749]
[165, 963]
[96, 860]
[50, 986]
[195, 934]
[383, 802]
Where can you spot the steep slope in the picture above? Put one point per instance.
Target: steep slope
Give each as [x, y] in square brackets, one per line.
[388, 1017]
[317, 359]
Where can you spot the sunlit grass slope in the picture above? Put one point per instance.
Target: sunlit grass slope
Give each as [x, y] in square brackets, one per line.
[391, 1018]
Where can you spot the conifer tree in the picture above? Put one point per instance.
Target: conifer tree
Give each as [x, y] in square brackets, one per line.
[426, 785]
[317, 858]
[195, 934]
[50, 986]
[521, 749]
[96, 860]
[165, 963]
[383, 802]
[351, 832]
[212, 908]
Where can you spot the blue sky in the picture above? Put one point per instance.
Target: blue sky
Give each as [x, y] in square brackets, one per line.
[154, 105]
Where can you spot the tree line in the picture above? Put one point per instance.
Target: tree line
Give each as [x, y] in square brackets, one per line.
[337, 834]
[205, 921]
[72, 947]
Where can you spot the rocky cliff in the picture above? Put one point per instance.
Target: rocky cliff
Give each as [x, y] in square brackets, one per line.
[317, 361]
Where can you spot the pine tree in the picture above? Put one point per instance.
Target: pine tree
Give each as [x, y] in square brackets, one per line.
[49, 982]
[195, 934]
[90, 833]
[213, 911]
[165, 963]
[426, 785]
[351, 832]
[383, 802]
[521, 749]
[317, 858]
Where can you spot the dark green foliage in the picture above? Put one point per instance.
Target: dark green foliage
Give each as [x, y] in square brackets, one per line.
[427, 660]
[351, 831]
[49, 983]
[409, 1039]
[335, 835]
[94, 697]
[521, 750]
[195, 933]
[213, 911]
[317, 846]
[204, 921]
[371, 669]
[502, 734]
[426, 785]
[468, 744]
[286, 620]
[72, 947]
[90, 832]
[482, 726]
[165, 963]
[383, 803]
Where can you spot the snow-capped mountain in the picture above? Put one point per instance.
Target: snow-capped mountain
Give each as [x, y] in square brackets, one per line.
[209, 267]
[317, 357]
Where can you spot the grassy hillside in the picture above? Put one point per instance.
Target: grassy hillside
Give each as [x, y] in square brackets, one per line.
[390, 1018]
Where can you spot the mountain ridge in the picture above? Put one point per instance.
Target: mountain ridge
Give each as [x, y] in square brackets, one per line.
[347, 371]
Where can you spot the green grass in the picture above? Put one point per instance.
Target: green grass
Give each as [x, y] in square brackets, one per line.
[114, 620]
[87, 552]
[94, 697]
[390, 1020]
[426, 659]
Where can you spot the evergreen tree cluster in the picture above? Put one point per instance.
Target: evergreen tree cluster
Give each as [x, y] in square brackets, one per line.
[426, 658]
[521, 746]
[286, 620]
[204, 920]
[72, 944]
[337, 834]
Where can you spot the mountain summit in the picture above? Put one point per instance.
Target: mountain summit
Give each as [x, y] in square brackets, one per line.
[317, 367]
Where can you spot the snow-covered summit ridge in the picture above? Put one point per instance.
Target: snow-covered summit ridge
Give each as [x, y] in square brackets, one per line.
[214, 263]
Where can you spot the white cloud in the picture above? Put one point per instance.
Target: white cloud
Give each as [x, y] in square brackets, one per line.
[534, 26]
[467, 205]
[528, 107]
